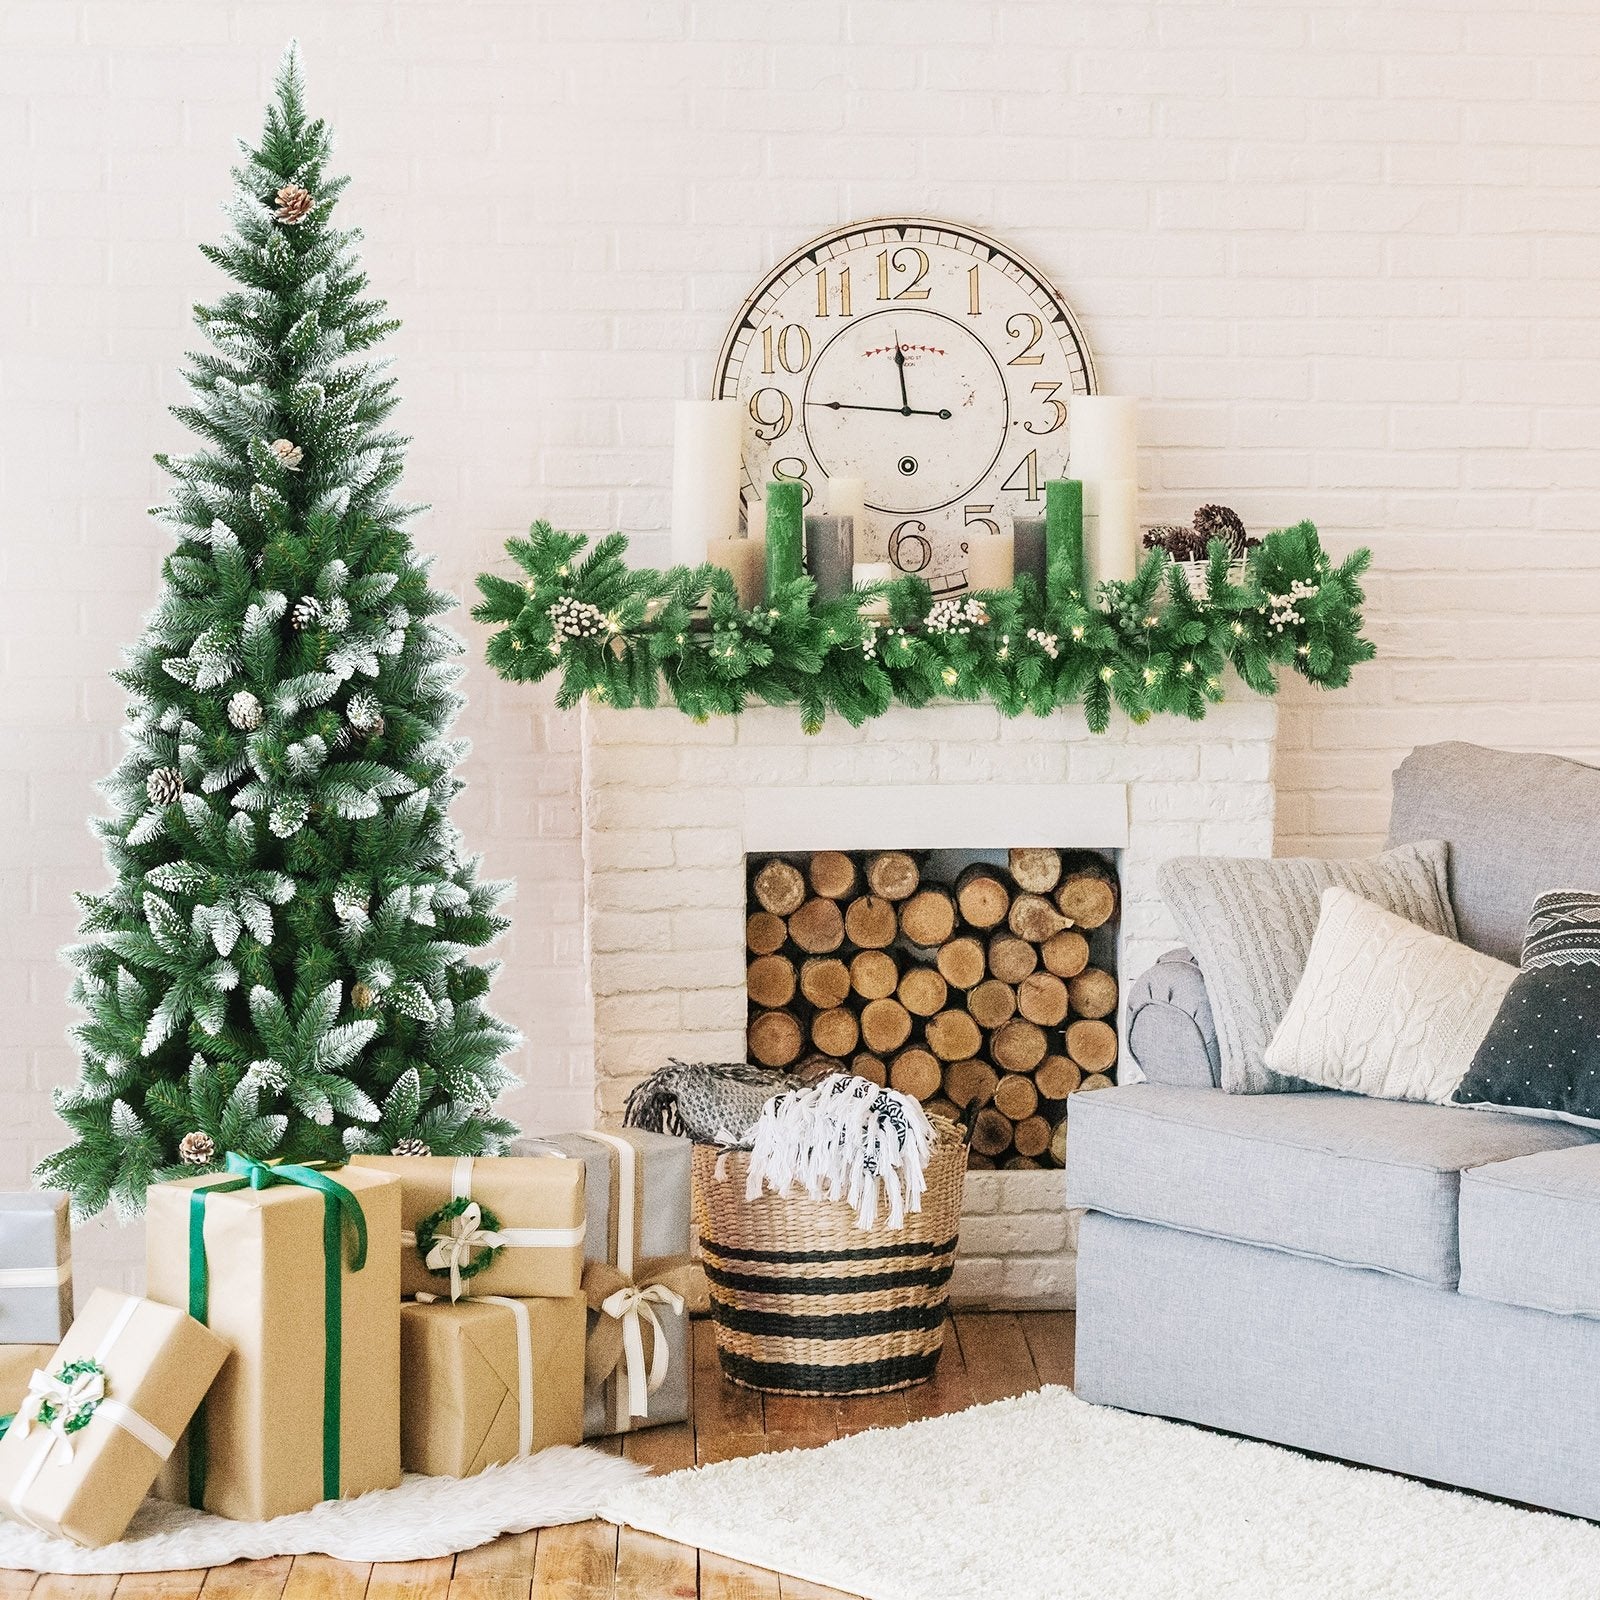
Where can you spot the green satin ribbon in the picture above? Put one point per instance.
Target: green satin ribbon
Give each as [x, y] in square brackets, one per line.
[340, 1209]
[5, 1422]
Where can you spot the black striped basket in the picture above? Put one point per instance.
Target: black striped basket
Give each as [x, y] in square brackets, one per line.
[807, 1303]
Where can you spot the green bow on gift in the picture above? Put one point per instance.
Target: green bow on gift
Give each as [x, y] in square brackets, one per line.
[341, 1211]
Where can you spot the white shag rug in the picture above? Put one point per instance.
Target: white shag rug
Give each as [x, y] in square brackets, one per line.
[424, 1517]
[1049, 1498]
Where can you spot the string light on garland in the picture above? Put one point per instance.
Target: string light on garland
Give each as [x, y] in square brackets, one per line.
[1158, 642]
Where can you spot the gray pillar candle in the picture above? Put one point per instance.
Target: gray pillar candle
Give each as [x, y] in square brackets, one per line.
[830, 554]
[1029, 549]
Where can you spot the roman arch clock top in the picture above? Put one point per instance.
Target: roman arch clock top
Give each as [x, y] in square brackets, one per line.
[924, 359]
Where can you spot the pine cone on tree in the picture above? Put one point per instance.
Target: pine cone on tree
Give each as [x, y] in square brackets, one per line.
[412, 1147]
[293, 205]
[365, 714]
[164, 785]
[362, 997]
[307, 613]
[1220, 522]
[289, 453]
[197, 1149]
[244, 711]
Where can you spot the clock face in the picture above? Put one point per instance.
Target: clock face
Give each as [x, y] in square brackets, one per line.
[921, 358]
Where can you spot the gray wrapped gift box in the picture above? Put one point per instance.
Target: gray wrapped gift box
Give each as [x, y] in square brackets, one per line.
[636, 1186]
[35, 1269]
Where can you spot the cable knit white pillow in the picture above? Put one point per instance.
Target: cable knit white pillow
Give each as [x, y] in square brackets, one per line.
[1385, 1008]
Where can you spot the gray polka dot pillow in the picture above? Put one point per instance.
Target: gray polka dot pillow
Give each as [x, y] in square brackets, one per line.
[1542, 1052]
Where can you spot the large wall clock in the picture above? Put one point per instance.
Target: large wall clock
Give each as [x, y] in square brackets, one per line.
[922, 357]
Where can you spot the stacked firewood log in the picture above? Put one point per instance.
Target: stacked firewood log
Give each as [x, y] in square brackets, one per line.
[978, 996]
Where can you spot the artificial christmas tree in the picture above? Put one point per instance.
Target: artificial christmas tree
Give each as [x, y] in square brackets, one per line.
[280, 842]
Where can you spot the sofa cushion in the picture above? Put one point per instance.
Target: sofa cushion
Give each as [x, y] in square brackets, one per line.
[1530, 1231]
[1250, 922]
[1366, 1183]
[1517, 825]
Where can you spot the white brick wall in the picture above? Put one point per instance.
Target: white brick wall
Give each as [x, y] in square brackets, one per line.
[1346, 250]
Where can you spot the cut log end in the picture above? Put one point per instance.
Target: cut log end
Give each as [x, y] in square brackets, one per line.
[832, 874]
[1042, 998]
[1087, 898]
[961, 962]
[1019, 1046]
[874, 974]
[770, 981]
[885, 1026]
[817, 927]
[982, 897]
[893, 875]
[970, 1082]
[1093, 993]
[1033, 918]
[915, 1072]
[1065, 954]
[928, 918]
[835, 1032]
[764, 933]
[991, 1133]
[774, 1038]
[870, 922]
[825, 981]
[953, 1035]
[1093, 1045]
[779, 887]
[923, 992]
[1037, 870]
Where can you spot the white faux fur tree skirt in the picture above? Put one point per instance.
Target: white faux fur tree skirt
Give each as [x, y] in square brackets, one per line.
[1049, 1498]
[424, 1517]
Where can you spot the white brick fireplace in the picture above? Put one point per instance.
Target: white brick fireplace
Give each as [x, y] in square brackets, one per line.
[671, 809]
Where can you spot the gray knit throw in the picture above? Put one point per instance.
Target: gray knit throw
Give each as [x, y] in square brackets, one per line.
[706, 1101]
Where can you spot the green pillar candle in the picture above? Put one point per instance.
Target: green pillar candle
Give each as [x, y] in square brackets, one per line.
[785, 534]
[1063, 538]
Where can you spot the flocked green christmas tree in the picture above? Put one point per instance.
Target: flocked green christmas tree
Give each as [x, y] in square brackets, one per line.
[282, 965]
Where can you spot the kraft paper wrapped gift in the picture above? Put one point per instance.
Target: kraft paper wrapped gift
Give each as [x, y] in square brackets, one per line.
[488, 1380]
[35, 1269]
[640, 1281]
[18, 1363]
[307, 1406]
[487, 1225]
[102, 1415]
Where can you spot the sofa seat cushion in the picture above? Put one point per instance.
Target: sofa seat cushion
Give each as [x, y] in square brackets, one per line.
[1366, 1183]
[1530, 1231]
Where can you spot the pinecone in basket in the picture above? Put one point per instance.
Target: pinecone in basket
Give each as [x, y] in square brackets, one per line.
[1221, 522]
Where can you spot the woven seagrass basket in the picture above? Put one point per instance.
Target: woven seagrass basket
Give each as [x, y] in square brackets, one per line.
[807, 1303]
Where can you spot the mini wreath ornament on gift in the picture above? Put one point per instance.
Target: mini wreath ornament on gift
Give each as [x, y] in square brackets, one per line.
[459, 1241]
[64, 1401]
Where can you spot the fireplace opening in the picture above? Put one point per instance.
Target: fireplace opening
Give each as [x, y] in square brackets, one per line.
[983, 982]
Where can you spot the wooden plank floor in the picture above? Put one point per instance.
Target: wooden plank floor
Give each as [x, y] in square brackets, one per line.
[987, 1356]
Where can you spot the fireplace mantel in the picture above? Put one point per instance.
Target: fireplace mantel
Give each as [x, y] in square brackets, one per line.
[670, 809]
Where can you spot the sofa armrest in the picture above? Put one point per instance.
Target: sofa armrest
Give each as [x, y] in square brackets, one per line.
[1171, 1034]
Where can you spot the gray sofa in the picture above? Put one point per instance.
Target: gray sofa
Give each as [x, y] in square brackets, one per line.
[1409, 1286]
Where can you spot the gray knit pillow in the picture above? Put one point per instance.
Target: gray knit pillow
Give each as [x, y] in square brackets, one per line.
[1250, 925]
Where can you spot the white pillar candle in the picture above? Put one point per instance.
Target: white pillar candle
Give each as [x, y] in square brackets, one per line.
[990, 562]
[865, 572]
[745, 560]
[1111, 529]
[706, 444]
[1103, 442]
[847, 497]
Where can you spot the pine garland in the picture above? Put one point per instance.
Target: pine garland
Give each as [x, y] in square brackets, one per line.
[1153, 644]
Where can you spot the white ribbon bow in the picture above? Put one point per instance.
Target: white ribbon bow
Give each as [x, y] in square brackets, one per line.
[453, 1250]
[627, 1305]
[68, 1397]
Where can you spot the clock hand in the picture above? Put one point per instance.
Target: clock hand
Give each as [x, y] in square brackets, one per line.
[900, 369]
[899, 411]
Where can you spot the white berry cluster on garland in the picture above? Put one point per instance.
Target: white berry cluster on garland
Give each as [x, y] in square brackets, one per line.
[576, 619]
[1048, 642]
[1283, 610]
[956, 616]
